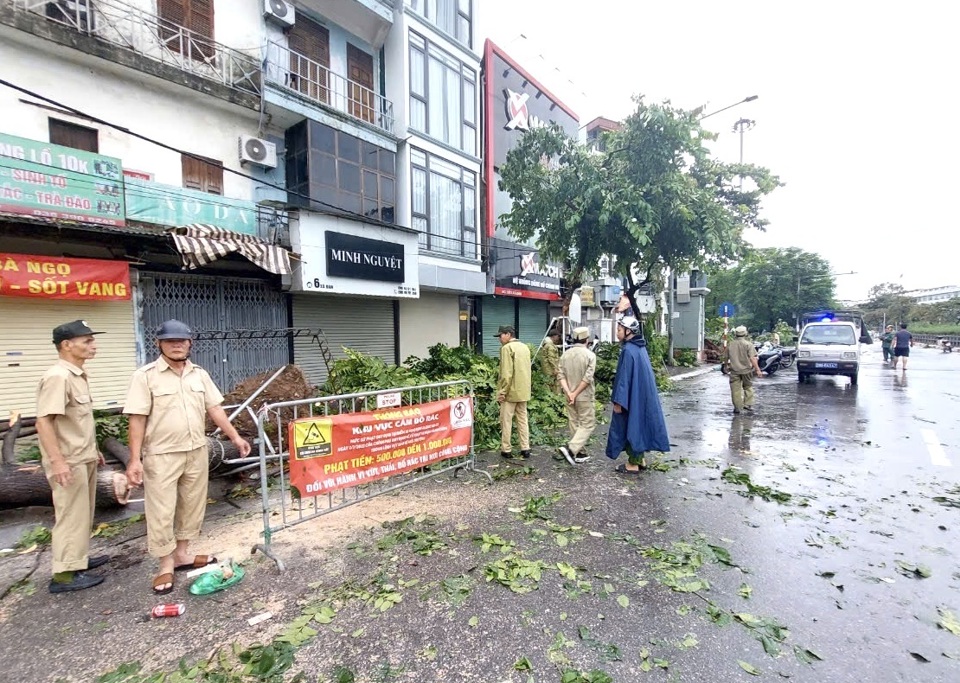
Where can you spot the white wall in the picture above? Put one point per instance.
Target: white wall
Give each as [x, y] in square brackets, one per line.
[172, 114]
[429, 320]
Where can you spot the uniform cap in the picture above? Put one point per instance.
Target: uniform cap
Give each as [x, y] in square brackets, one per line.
[506, 329]
[72, 330]
[580, 333]
[740, 331]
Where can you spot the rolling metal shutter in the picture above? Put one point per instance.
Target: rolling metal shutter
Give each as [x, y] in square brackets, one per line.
[365, 324]
[26, 349]
[218, 303]
[494, 312]
[534, 318]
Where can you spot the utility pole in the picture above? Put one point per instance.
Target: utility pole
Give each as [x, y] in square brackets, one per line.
[741, 126]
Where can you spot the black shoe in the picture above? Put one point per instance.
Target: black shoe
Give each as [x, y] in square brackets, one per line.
[581, 457]
[97, 561]
[565, 452]
[79, 582]
[749, 409]
[506, 454]
[736, 411]
[524, 454]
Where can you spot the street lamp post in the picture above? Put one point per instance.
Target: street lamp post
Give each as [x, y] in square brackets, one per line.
[741, 126]
[750, 98]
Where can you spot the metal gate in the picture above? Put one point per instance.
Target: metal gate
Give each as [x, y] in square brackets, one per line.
[284, 507]
[217, 304]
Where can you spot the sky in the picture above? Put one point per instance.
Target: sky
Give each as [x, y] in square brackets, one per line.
[856, 109]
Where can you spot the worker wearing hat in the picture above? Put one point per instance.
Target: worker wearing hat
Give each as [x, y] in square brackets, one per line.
[740, 358]
[576, 370]
[513, 391]
[168, 403]
[69, 455]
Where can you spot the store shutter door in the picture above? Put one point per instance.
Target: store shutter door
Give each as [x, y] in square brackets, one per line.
[217, 303]
[533, 321]
[363, 324]
[26, 348]
[494, 312]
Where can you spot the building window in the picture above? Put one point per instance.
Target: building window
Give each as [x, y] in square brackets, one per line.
[71, 135]
[444, 205]
[194, 15]
[202, 174]
[453, 17]
[443, 94]
[328, 170]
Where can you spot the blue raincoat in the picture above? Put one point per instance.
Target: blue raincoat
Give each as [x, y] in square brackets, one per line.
[641, 425]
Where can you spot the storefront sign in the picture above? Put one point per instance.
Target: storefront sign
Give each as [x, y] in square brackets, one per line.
[49, 181]
[518, 272]
[330, 453]
[362, 258]
[51, 277]
[176, 206]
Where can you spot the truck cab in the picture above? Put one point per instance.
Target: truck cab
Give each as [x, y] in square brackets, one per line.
[829, 347]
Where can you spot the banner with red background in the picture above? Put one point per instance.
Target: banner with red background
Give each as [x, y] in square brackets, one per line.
[338, 451]
[54, 277]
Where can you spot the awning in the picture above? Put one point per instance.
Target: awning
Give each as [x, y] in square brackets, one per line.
[200, 244]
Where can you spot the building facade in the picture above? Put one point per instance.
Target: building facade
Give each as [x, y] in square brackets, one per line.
[520, 287]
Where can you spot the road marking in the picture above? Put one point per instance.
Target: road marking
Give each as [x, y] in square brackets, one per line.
[937, 454]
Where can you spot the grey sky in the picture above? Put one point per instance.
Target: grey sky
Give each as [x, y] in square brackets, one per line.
[856, 109]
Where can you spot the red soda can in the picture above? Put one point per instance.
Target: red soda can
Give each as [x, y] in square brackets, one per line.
[172, 610]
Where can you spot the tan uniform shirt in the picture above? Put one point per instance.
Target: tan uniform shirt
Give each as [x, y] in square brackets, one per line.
[175, 405]
[578, 365]
[514, 382]
[549, 360]
[739, 352]
[64, 394]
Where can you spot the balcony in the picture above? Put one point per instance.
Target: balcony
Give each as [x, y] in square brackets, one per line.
[141, 40]
[316, 83]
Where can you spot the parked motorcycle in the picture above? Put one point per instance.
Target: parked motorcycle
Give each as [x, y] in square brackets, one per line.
[772, 358]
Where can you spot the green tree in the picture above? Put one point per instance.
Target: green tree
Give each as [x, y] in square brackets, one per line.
[886, 303]
[656, 199]
[778, 284]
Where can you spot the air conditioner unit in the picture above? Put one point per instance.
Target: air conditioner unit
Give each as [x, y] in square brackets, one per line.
[279, 11]
[256, 151]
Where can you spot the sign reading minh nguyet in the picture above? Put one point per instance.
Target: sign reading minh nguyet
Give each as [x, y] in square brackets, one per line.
[342, 256]
[514, 103]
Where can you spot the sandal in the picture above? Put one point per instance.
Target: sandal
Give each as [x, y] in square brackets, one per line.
[622, 469]
[199, 561]
[162, 580]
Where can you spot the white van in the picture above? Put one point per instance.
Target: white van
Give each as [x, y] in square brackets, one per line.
[828, 348]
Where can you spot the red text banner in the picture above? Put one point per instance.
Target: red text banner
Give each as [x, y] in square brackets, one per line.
[51, 277]
[334, 452]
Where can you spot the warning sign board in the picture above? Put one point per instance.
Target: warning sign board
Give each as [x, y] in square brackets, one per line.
[361, 447]
[313, 438]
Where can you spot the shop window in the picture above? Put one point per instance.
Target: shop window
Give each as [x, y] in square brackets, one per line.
[444, 198]
[202, 174]
[74, 136]
[443, 94]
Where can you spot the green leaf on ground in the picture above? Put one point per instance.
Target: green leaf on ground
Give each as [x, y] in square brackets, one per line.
[523, 664]
[473, 622]
[948, 621]
[623, 601]
[806, 656]
[745, 591]
[914, 571]
[749, 668]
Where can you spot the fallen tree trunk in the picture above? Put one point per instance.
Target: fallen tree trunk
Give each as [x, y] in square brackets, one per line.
[10, 440]
[220, 452]
[25, 485]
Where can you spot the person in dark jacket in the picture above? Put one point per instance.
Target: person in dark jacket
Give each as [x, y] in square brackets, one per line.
[637, 424]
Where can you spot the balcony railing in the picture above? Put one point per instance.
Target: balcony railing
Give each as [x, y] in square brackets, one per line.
[316, 82]
[146, 34]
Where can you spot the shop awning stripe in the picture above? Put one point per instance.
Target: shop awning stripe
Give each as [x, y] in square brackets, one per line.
[200, 244]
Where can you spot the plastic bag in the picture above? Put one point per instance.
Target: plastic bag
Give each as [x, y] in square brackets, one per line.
[217, 580]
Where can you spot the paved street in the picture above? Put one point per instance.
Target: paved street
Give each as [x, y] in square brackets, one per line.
[558, 569]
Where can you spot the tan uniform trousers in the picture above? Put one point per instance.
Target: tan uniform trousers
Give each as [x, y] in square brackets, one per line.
[509, 409]
[741, 389]
[73, 509]
[175, 493]
[582, 420]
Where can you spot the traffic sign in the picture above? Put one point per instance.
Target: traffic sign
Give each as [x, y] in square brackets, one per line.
[726, 310]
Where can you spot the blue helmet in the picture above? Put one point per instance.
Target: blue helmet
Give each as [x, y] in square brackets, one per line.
[174, 329]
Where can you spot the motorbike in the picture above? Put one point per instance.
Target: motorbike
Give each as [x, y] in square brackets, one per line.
[772, 358]
[945, 345]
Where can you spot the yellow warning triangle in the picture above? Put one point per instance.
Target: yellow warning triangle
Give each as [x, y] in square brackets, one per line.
[313, 435]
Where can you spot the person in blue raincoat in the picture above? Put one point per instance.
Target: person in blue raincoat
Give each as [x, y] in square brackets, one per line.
[637, 425]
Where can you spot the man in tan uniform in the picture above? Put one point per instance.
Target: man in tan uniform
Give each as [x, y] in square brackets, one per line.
[577, 367]
[68, 449]
[168, 402]
[513, 391]
[550, 359]
[741, 359]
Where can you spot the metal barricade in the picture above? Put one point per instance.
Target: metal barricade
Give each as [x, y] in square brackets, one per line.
[285, 507]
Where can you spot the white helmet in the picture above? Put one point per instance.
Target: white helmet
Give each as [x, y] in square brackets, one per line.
[629, 322]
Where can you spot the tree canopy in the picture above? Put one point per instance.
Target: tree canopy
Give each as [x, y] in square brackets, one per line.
[656, 198]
